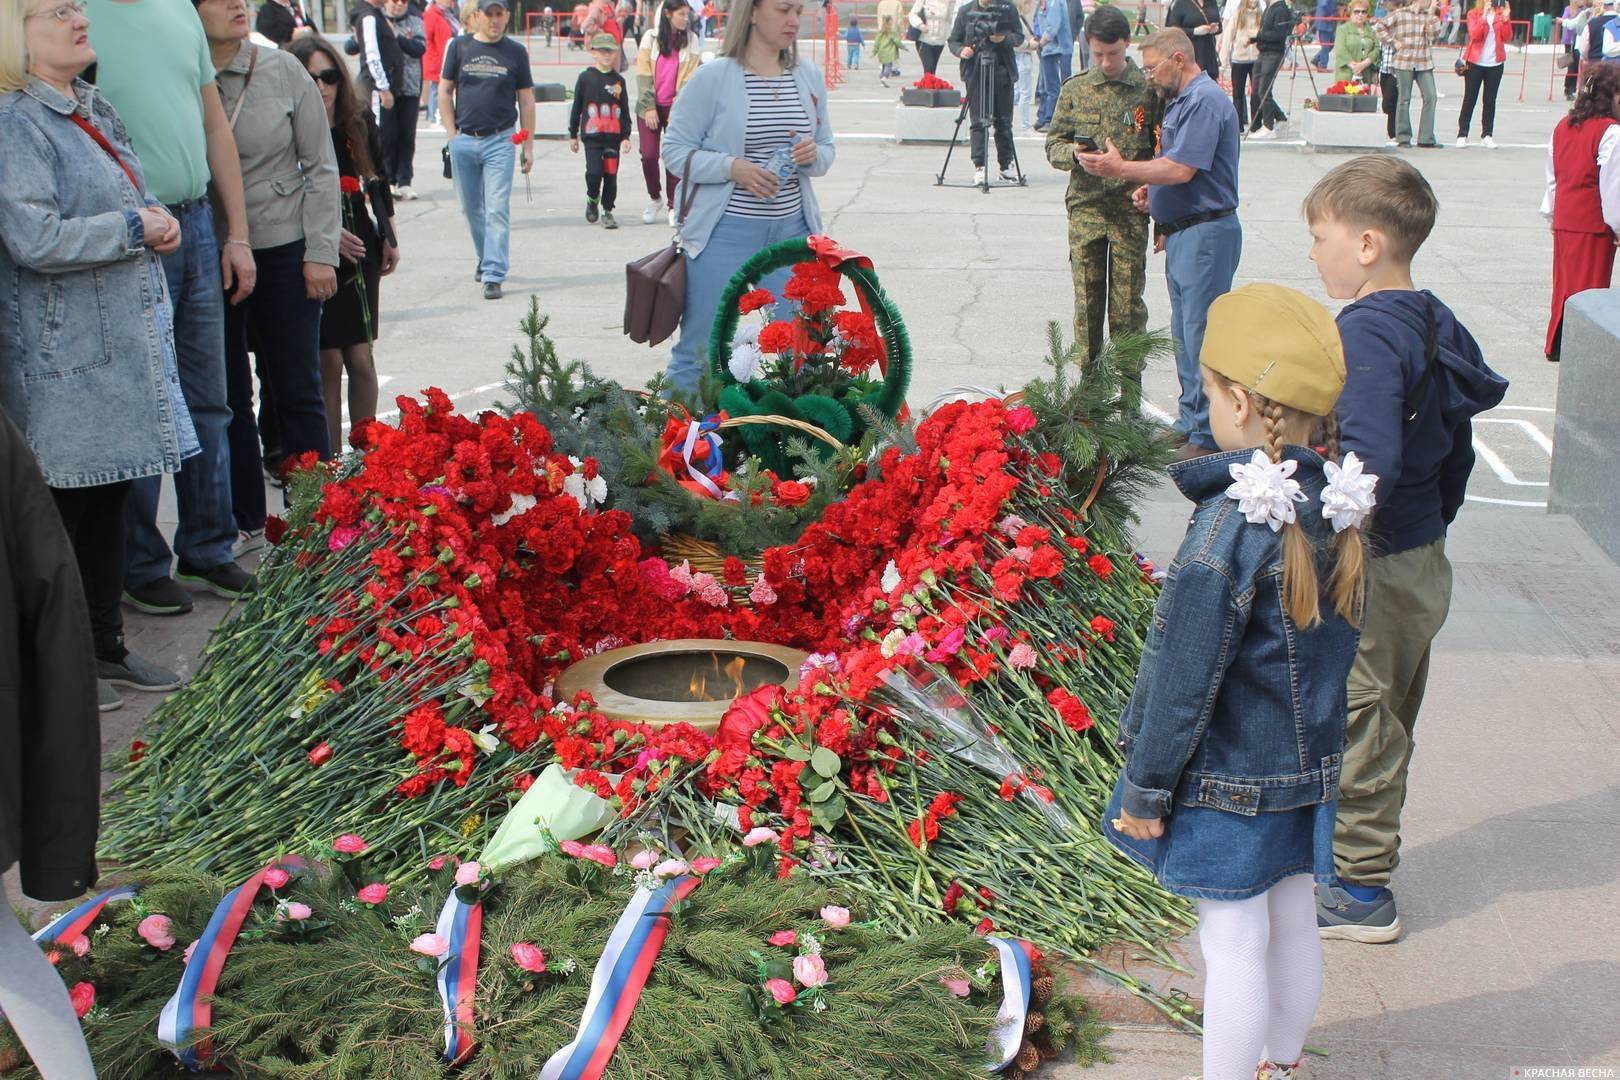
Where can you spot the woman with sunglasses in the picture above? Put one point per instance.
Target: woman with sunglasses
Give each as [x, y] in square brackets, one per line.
[668, 55]
[368, 247]
[290, 185]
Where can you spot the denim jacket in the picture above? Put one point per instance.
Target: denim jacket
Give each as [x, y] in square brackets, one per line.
[1235, 707]
[87, 362]
[711, 117]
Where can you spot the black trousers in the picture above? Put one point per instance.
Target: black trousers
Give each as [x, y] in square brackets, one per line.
[1001, 109]
[930, 55]
[94, 519]
[285, 328]
[1572, 75]
[602, 173]
[1488, 79]
[1263, 107]
[396, 130]
[1390, 92]
[1241, 77]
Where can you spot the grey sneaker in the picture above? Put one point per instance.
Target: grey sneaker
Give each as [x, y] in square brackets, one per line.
[160, 597]
[107, 699]
[137, 673]
[1340, 916]
[227, 580]
[607, 220]
[248, 541]
[591, 211]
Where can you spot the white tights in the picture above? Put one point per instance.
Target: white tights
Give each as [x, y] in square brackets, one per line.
[1263, 960]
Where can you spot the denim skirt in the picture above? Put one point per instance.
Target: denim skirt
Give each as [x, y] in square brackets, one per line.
[1210, 854]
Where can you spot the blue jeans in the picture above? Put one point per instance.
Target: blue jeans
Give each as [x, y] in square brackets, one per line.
[1199, 264]
[1054, 69]
[430, 94]
[854, 60]
[483, 176]
[207, 529]
[1024, 88]
[734, 240]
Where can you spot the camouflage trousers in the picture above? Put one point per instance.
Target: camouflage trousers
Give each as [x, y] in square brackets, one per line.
[1109, 263]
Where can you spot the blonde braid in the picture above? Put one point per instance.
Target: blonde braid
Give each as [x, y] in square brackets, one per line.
[1300, 588]
[1348, 584]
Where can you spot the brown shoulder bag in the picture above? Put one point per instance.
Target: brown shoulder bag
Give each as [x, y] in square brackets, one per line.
[655, 285]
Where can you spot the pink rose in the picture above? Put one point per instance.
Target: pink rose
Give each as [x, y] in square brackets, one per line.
[645, 859]
[276, 877]
[783, 938]
[156, 931]
[528, 957]
[782, 991]
[468, 873]
[670, 868]
[375, 893]
[760, 835]
[430, 945]
[704, 864]
[958, 987]
[81, 946]
[293, 911]
[83, 996]
[350, 844]
[810, 971]
[1020, 419]
[1022, 657]
[835, 916]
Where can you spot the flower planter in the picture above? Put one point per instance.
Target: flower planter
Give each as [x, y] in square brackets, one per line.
[1342, 130]
[931, 99]
[550, 92]
[1347, 103]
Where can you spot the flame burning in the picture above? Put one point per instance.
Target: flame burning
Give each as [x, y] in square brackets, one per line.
[717, 683]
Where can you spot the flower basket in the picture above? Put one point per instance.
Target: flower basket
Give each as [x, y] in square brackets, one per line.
[838, 414]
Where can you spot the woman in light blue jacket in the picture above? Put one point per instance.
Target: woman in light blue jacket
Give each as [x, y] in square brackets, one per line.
[87, 365]
[750, 128]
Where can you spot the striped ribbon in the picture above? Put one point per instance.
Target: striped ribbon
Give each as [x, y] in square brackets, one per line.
[462, 925]
[618, 980]
[1017, 980]
[75, 921]
[704, 429]
[190, 1008]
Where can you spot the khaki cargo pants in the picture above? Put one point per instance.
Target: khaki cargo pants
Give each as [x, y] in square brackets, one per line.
[1408, 595]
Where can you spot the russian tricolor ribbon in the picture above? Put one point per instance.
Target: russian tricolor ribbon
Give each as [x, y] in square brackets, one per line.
[618, 980]
[696, 430]
[190, 1009]
[462, 925]
[1017, 981]
[75, 921]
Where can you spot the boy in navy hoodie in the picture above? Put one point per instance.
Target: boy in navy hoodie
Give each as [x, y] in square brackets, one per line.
[1415, 378]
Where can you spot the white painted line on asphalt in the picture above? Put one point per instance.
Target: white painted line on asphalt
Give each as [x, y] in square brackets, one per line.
[1536, 434]
[1499, 467]
[1526, 408]
[1506, 502]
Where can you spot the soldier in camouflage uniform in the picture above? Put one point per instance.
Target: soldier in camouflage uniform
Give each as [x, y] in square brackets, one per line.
[1108, 236]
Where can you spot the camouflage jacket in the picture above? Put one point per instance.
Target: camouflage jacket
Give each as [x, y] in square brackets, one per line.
[1127, 111]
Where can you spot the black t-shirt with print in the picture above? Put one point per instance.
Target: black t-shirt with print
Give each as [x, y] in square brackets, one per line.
[599, 112]
[488, 76]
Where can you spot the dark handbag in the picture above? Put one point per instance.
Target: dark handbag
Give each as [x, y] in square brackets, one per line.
[1462, 66]
[913, 33]
[655, 285]
[444, 153]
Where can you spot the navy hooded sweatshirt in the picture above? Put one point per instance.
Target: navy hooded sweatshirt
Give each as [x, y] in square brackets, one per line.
[1422, 463]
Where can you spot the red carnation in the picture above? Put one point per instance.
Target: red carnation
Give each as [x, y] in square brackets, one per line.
[350, 185]
[1070, 709]
[1100, 565]
[754, 299]
[1103, 626]
[777, 337]
[734, 572]
[520, 136]
[321, 754]
[1020, 419]
[791, 493]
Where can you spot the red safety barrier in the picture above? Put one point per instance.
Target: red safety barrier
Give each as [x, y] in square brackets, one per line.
[832, 67]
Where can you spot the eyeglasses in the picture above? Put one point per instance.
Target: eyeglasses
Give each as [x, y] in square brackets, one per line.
[64, 13]
[331, 76]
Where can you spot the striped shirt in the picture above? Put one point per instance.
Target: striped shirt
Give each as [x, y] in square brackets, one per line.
[1408, 38]
[776, 120]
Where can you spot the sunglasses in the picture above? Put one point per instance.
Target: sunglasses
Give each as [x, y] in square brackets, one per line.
[331, 76]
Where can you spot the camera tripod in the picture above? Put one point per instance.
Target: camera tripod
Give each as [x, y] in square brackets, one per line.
[985, 91]
[1297, 54]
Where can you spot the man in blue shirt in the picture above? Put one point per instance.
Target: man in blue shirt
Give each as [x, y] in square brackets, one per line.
[1191, 191]
[1057, 48]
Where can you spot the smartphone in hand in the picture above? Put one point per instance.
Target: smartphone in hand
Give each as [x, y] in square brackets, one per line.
[1087, 144]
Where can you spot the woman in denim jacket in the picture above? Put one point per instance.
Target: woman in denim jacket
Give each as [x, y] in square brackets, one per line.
[752, 128]
[1234, 731]
[87, 365]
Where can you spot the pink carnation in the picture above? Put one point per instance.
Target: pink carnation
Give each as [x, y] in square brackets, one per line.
[948, 646]
[671, 868]
[350, 844]
[782, 991]
[528, 957]
[783, 938]
[81, 946]
[762, 595]
[436, 863]
[713, 595]
[1020, 419]
[430, 945]
[645, 859]
[572, 848]
[600, 853]
[1022, 657]
[811, 971]
[276, 877]
[341, 537]
[375, 893]
[156, 931]
[760, 835]
[704, 864]
[835, 916]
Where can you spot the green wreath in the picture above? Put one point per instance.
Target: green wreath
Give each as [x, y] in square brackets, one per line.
[839, 417]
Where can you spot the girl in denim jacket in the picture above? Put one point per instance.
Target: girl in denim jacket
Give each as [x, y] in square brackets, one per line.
[1235, 727]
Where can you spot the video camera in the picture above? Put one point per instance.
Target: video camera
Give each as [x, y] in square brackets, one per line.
[978, 25]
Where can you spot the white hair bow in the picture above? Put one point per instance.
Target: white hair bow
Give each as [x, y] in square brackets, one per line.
[1348, 497]
[1264, 490]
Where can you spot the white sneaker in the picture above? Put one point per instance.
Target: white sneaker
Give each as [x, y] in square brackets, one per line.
[1010, 175]
[672, 222]
[650, 215]
[1392, 142]
[1490, 143]
[1262, 135]
[407, 193]
[979, 177]
[1462, 142]
[247, 542]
